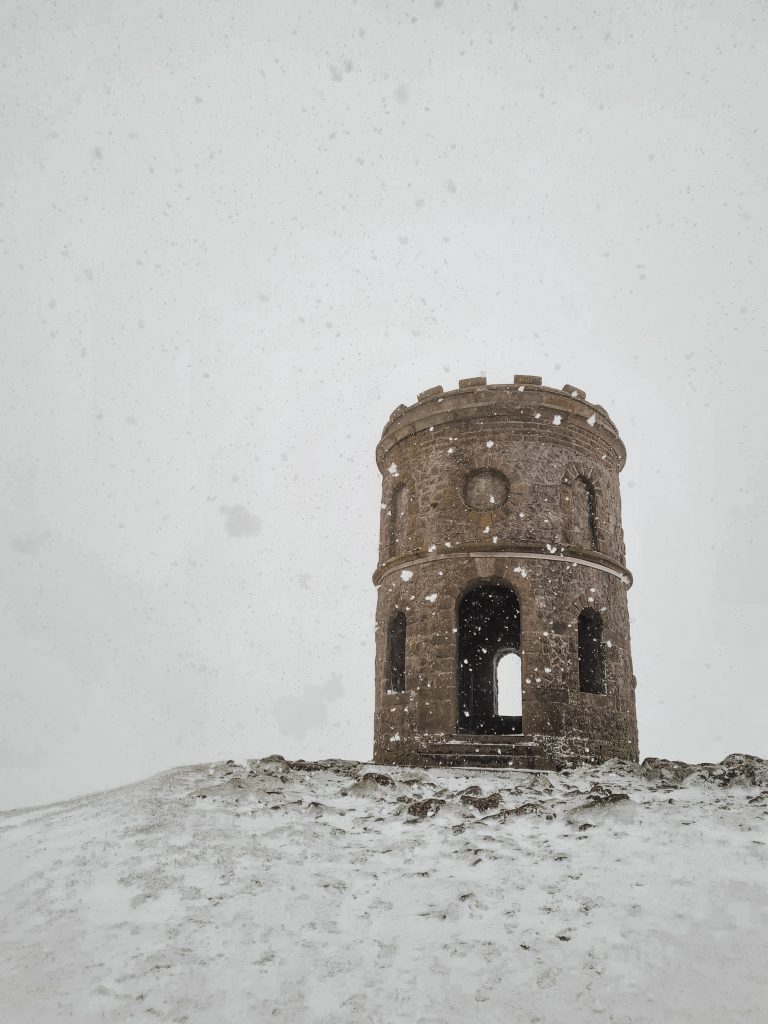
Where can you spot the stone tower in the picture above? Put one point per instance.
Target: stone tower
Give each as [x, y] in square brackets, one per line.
[502, 630]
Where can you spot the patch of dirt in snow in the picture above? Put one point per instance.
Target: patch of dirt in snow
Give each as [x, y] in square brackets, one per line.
[335, 892]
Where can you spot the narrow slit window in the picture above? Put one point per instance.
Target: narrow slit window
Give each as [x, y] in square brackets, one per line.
[591, 516]
[398, 522]
[397, 654]
[509, 690]
[584, 513]
[591, 664]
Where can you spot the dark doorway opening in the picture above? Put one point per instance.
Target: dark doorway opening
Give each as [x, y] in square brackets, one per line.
[489, 628]
[591, 664]
[396, 644]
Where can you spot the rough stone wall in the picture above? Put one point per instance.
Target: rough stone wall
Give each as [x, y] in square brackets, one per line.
[551, 448]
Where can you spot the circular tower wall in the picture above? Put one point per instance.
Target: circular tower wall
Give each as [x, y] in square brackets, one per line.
[501, 535]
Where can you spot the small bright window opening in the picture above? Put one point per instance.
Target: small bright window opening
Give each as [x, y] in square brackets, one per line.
[509, 690]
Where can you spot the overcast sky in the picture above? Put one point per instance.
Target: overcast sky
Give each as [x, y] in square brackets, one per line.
[236, 235]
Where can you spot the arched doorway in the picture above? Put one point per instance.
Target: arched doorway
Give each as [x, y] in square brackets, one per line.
[488, 633]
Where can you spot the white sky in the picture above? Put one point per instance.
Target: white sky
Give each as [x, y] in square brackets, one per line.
[236, 235]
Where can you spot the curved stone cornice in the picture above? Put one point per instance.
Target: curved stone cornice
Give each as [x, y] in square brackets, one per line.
[568, 556]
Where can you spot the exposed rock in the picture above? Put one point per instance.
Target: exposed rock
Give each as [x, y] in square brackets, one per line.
[671, 772]
[371, 784]
[425, 808]
[318, 810]
[603, 797]
[516, 812]
[733, 770]
[482, 803]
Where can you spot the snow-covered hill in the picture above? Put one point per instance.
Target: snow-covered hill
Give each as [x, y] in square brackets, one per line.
[343, 892]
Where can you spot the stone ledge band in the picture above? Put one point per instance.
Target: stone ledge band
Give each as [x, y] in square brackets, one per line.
[621, 574]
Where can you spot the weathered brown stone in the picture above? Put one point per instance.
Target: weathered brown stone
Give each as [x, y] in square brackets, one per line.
[425, 808]
[552, 534]
[574, 392]
[482, 803]
[430, 393]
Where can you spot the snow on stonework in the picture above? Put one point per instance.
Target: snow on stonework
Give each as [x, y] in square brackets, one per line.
[336, 892]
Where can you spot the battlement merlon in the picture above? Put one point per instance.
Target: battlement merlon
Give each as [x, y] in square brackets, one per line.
[560, 409]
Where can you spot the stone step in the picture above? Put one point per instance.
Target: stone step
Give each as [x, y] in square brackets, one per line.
[470, 758]
[495, 754]
[516, 738]
[487, 751]
[497, 747]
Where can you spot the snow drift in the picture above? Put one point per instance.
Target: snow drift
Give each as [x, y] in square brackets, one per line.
[342, 892]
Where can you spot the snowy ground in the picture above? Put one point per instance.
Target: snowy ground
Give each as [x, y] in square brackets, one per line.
[342, 892]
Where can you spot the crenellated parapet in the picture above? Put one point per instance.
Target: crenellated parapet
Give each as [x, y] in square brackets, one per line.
[526, 400]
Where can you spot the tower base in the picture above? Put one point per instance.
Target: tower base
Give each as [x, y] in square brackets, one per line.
[540, 753]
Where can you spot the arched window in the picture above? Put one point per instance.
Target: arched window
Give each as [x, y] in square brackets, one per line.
[396, 651]
[509, 690]
[398, 521]
[591, 666]
[584, 513]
